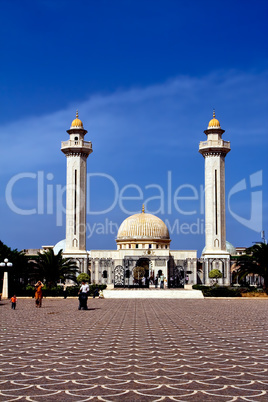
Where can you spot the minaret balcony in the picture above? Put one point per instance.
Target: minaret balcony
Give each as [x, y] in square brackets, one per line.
[215, 145]
[76, 146]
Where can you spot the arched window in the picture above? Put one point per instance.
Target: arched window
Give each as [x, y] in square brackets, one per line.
[104, 274]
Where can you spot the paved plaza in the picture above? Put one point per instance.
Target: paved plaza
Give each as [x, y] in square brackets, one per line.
[134, 350]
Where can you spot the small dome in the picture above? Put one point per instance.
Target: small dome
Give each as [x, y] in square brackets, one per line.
[77, 122]
[143, 226]
[214, 123]
[61, 245]
[230, 248]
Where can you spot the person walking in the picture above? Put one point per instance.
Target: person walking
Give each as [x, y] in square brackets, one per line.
[156, 281]
[101, 295]
[162, 278]
[96, 292]
[38, 294]
[83, 296]
[64, 290]
[13, 301]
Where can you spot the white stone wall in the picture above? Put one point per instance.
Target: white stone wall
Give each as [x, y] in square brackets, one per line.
[116, 257]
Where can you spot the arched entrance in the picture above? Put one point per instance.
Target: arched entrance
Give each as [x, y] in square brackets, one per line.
[141, 273]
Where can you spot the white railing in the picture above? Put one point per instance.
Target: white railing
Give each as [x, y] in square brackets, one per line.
[76, 143]
[214, 143]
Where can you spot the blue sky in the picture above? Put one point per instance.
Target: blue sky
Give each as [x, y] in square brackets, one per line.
[145, 77]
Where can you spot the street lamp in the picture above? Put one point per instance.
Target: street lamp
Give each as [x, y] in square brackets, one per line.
[5, 281]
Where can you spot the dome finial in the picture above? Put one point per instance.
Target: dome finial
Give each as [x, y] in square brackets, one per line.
[77, 122]
[214, 123]
[143, 209]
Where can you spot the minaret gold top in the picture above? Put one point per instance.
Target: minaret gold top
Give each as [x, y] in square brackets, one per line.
[214, 123]
[77, 122]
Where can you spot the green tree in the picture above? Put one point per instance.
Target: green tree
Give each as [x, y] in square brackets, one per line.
[215, 274]
[50, 268]
[83, 277]
[255, 261]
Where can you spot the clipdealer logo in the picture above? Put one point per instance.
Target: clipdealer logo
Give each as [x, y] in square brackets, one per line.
[49, 199]
[255, 202]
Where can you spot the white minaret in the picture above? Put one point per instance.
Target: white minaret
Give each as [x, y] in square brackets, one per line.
[76, 151]
[214, 151]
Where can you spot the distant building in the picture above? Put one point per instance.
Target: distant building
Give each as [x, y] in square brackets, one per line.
[240, 250]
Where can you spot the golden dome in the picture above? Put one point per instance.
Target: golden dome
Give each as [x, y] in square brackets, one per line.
[77, 122]
[143, 226]
[214, 123]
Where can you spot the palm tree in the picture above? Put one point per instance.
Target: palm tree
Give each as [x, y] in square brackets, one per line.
[50, 267]
[255, 261]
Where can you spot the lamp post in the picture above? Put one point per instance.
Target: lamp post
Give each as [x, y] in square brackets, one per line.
[5, 281]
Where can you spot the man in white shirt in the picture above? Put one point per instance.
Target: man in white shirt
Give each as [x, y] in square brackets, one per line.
[83, 295]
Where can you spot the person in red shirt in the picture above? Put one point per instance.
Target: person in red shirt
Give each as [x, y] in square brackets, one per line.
[13, 302]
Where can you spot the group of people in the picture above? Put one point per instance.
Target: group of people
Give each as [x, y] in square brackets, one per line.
[162, 281]
[83, 292]
[82, 295]
[38, 296]
[159, 280]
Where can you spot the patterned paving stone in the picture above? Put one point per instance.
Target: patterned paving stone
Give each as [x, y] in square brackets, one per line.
[134, 350]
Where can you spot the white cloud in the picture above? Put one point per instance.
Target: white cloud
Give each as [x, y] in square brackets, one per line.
[161, 115]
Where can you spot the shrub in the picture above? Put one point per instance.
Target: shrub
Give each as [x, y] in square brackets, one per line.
[200, 287]
[249, 289]
[218, 291]
[223, 291]
[27, 291]
[82, 277]
[52, 292]
[72, 290]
